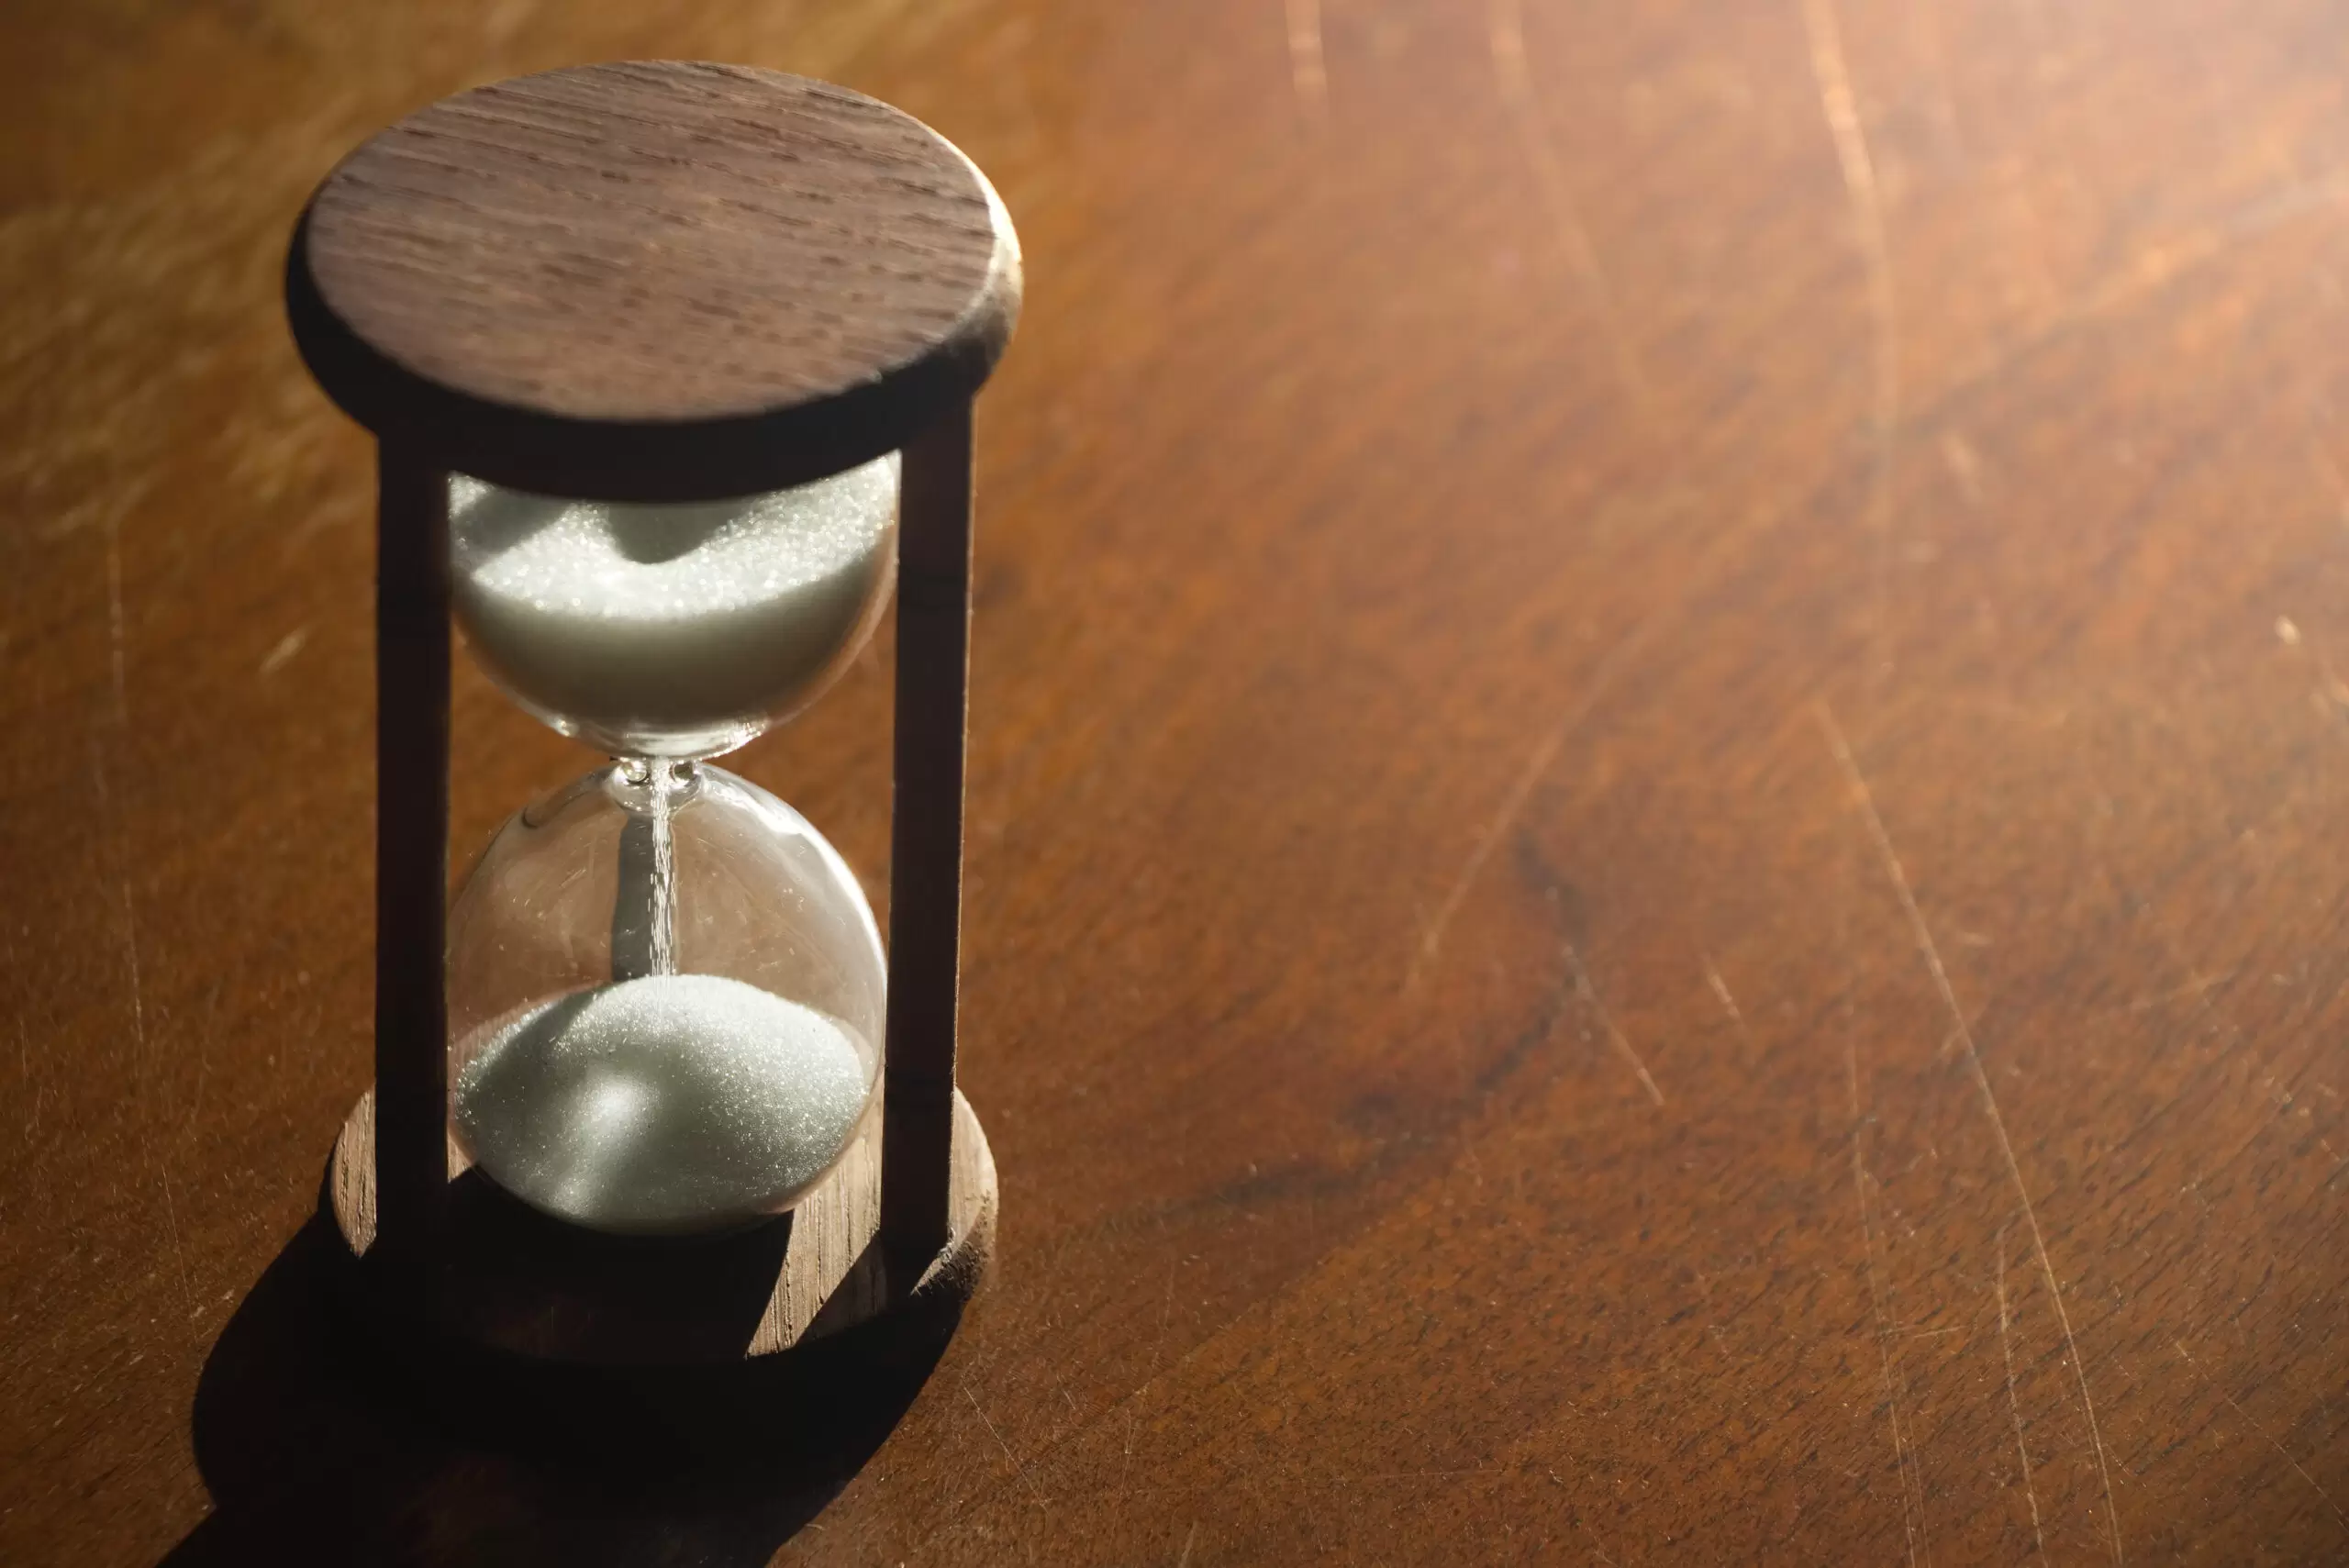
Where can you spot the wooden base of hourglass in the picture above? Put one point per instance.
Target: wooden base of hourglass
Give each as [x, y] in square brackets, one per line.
[531, 1286]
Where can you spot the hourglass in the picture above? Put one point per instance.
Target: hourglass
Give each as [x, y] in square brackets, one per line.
[670, 366]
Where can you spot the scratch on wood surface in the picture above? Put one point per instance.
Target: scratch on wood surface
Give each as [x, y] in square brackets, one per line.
[1866, 801]
[287, 646]
[1879, 1307]
[2014, 1410]
[1922, 22]
[2153, 268]
[2196, 988]
[1018, 1468]
[1720, 989]
[1904, 1459]
[111, 831]
[1157, 1360]
[1505, 31]
[1841, 110]
[1307, 71]
[1545, 751]
[2019, 713]
[1125, 1471]
[2336, 486]
[2159, 264]
[116, 656]
[1965, 466]
[1606, 1021]
[1188, 1541]
[2332, 691]
[2263, 1432]
[2338, 1159]
[40, 1089]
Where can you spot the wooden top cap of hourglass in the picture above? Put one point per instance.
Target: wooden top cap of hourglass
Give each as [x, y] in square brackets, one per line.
[652, 281]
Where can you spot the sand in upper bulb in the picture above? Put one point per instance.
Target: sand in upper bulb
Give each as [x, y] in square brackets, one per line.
[663, 1106]
[675, 629]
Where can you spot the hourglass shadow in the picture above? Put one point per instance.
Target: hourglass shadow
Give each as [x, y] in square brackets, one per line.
[326, 1436]
[523, 1280]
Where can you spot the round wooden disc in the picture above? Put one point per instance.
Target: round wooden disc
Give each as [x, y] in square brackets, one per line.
[520, 1283]
[652, 281]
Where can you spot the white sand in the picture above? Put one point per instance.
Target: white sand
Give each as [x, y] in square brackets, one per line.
[673, 630]
[663, 1106]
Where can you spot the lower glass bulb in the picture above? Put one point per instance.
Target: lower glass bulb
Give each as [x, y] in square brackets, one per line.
[666, 997]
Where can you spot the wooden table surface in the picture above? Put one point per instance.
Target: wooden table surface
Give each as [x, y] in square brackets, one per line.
[1659, 752]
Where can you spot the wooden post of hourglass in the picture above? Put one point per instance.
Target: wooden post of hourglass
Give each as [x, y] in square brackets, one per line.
[411, 861]
[663, 282]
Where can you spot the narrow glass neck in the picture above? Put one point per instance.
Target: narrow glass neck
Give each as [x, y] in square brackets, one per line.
[644, 908]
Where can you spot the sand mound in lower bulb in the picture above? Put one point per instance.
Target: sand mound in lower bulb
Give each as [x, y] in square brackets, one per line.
[663, 1106]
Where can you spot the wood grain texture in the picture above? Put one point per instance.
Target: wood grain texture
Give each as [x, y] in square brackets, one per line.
[1795, 548]
[653, 280]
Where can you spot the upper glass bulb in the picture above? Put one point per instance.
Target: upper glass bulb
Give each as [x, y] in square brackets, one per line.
[671, 630]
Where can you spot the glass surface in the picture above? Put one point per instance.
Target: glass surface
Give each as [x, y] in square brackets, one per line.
[675, 630]
[666, 1003]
